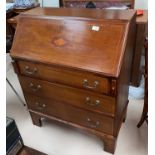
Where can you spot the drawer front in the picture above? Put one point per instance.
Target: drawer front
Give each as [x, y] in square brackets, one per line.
[77, 97]
[70, 113]
[60, 75]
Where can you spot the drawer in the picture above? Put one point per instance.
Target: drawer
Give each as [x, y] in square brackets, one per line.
[63, 76]
[70, 113]
[77, 97]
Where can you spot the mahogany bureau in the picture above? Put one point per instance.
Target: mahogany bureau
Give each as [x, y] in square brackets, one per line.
[74, 67]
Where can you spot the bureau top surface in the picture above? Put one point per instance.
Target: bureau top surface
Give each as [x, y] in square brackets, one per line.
[82, 12]
[83, 39]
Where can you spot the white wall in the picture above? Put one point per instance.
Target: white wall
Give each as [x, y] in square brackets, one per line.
[139, 4]
[49, 3]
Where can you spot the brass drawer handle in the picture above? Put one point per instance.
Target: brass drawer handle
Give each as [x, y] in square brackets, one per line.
[86, 84]
[30, 72]
[91, 103]
[93, 124]
[35, 87]
[40, 106]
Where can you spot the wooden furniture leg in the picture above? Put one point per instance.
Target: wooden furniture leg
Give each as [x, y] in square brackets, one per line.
[145, 111]
[125, 113]
[109, 144]
[36, 119]
[145, 108]
[143, 118]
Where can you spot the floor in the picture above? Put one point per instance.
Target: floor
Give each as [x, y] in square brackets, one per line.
[57, 139]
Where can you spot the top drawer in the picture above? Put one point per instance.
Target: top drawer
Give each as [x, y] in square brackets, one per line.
[65, 76]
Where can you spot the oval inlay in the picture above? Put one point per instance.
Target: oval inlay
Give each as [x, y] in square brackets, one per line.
[59, 42]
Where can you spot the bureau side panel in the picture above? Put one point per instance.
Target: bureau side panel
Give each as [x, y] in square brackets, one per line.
[123, 80]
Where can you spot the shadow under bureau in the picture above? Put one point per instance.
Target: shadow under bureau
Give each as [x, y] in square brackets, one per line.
[74, 67]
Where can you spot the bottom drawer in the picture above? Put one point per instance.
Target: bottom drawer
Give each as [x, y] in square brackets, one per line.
[70, 113]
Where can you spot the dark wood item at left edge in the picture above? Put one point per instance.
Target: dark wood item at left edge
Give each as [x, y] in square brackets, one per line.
[74, 67]
[12, 17]
[29, 151]
[9, 29]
